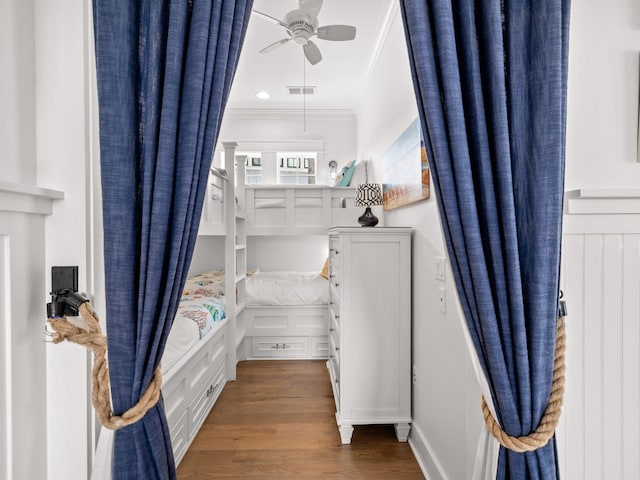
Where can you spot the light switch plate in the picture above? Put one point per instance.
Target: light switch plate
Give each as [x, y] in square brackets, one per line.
[443, 300]
[440, 269]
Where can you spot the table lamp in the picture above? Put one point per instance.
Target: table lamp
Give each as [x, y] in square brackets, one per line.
[368, 195]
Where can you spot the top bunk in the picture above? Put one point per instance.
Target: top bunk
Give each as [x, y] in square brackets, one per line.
[273, 209]
[298, 209]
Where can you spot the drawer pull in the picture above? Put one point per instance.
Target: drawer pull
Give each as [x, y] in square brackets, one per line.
[332, 329]
[337, 349]
[211, 389]
[337, 317]
[279, 346]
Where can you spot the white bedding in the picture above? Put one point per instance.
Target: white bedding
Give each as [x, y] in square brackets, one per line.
[184, 335]
[200, 312]
[287, 288]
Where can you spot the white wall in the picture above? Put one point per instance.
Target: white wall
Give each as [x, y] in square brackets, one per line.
[602, 124]
[63, 140]
[208, 254]
[301, 254]
[17, 83]
[275, 130]
[445, 428]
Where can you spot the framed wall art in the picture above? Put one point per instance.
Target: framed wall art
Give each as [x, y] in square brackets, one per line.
[405, 169]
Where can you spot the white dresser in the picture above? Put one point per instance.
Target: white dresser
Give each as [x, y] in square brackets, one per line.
[370, 327]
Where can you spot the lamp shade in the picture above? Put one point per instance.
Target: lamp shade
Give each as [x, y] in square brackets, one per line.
[368, 195]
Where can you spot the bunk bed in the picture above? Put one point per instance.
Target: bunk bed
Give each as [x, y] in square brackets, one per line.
[197, 370]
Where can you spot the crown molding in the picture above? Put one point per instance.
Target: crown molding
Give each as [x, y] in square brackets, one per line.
[393, 7]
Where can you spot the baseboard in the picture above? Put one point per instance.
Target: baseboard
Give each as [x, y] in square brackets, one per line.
[421, 449]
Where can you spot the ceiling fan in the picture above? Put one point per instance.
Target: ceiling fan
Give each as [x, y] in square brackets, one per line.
[302, 24]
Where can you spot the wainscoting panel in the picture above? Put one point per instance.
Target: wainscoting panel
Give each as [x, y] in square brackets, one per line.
[6, 426]
[599, 431]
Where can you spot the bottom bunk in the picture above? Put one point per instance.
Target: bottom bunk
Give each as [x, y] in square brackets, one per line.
[195, 358]
[286, 315]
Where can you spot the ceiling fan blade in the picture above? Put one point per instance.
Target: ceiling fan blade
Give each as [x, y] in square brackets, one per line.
[271, 19]
[312, 52]
[337, 33]
[274, 45]
[312, 7]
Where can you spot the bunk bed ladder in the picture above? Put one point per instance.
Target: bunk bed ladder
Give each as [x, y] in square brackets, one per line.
[235, 257]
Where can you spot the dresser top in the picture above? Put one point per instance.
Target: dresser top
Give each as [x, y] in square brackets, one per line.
[370, 230]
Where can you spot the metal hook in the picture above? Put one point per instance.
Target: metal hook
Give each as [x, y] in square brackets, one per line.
[562, 305]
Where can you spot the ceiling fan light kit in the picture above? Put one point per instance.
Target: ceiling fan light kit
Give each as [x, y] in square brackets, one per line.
[302, 24]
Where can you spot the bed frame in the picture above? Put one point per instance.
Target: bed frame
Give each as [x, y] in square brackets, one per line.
[276, 332]
[193, 384]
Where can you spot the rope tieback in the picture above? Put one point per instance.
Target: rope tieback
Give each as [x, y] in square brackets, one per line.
[547, 426]
[96, 341]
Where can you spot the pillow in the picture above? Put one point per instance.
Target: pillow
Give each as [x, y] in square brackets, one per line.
[344, 177]
[325, 269]
[359, 173]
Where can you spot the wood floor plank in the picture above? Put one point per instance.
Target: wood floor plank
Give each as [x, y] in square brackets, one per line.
[277, 422]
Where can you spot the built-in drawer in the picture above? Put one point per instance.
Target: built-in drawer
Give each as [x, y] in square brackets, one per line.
[335, 382]
[204, 399]
[179, 434]
[320, 347]
[334, 331]
[334, 319]
[174, 394]
[334, 300]
[280, 346]
[206, 361]
[335, 252]
[334, 354]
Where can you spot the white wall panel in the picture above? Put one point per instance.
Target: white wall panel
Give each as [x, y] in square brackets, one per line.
[600, 426]
[6, 424]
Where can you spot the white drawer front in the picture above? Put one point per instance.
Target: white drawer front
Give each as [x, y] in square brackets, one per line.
[175, 400]
[205, 362]
[179, 434]
[320, 347]
[280, 346]
[204, 400]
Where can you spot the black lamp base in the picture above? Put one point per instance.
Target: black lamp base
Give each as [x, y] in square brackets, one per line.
[368, 219]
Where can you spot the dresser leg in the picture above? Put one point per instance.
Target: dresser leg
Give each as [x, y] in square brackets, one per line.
[345, 434]
[402, 431]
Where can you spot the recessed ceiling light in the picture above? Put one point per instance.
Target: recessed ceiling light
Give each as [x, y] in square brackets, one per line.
[263, 95]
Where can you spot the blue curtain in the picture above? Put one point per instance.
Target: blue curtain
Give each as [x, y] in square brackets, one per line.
[490, 82]
[164, 70]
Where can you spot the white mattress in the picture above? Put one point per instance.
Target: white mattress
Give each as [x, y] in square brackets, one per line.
[184, 335]
[287, 288]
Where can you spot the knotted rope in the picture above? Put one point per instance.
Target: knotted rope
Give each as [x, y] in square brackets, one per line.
[96, 341]
[549, 421]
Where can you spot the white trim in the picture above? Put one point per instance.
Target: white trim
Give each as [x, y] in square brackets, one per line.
[281, 145]
[393, 7]
[602, 201]
[429, 464]
[6, 418]
[22, 198]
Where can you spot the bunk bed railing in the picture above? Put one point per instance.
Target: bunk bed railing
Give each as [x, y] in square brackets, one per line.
[298, 209]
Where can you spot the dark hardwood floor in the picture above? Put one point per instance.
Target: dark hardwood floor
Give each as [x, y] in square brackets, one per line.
[277, 422]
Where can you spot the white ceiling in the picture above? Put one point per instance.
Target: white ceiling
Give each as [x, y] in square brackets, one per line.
[339, 76]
